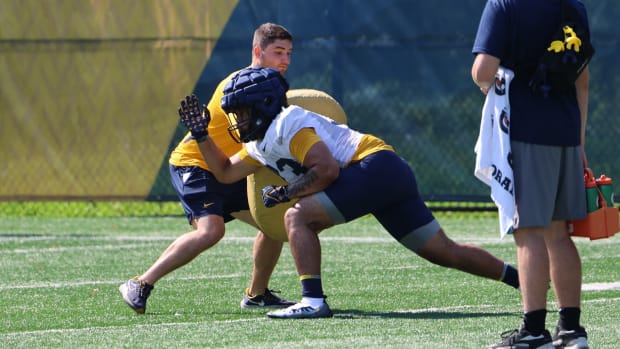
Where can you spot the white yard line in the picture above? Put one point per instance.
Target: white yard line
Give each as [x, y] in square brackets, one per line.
[601, 286]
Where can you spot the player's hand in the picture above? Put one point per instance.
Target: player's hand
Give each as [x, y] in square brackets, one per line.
[273, 195]
[195, 119]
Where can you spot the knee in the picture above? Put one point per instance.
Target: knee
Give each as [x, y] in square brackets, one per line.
[292, 218]
[207, 236]
[441, 250]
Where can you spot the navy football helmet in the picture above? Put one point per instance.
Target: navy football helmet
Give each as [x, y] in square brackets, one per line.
[252, 99]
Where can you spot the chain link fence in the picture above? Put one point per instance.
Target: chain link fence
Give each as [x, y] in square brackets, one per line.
[89, 90]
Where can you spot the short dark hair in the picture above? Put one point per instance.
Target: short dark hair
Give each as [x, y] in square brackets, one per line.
[267, 33]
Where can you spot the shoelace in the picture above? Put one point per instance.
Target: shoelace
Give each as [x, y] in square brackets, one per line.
[510, 334]
[302, 309]
[143, 292]
[270, 293]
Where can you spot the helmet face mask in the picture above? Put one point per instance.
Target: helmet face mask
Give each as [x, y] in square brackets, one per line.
[252, 99]
[245, 127]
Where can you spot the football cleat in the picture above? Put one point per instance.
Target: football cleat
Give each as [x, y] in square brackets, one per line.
[574, 339]
[517, 339]
[267, 300]
[301, 311]
[135, 293]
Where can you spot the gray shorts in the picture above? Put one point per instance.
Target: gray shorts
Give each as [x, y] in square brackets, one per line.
[548, 183]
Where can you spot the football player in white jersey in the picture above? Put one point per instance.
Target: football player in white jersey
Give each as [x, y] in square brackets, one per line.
[337, 175]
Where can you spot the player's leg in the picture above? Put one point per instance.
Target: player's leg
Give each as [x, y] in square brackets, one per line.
[209, 231]
[443, 251]
[565, 269]
[564, 260]
[198, 193]
[410, 221]
[563, 256]
[570, 205]
[544, 249]
[347, 198]
[265, 252]
[412, 224]
[409, 224]
[303, 221]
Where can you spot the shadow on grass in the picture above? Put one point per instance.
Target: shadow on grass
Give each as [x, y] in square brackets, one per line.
[345, 313]
[353, 313]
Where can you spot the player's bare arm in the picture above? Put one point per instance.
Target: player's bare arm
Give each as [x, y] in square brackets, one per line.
[196, 119]
[322, 171]
[225, 169]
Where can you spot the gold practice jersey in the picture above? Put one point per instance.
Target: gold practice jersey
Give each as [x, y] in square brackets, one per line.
[187, 152]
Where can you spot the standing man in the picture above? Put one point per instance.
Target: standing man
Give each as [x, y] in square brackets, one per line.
[547, 136]
[325, 164]
[208, 203]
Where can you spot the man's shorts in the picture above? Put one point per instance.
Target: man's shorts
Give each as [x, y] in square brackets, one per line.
[383, 185]
[201, 194]
[548, 184]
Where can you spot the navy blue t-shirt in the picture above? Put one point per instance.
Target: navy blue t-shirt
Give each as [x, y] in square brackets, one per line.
[517, 32]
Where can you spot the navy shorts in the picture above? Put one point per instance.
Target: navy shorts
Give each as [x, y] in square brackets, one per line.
[201, 194]
[382, 184]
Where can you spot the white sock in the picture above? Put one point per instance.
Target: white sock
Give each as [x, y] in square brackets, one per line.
[313, 302]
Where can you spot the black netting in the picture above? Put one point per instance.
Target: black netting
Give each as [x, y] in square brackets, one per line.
[88, 101]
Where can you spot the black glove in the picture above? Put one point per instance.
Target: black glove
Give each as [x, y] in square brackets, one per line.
[195, 119]
[273, 195]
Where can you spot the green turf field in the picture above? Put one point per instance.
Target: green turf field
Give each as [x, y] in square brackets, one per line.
[59, 280]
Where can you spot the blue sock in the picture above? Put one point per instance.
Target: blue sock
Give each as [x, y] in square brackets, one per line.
[311, 286]
[510, 276]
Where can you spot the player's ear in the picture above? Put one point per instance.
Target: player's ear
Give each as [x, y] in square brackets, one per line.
[256, 51]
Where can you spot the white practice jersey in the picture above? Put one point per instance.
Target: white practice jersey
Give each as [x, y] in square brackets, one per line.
[274, 149]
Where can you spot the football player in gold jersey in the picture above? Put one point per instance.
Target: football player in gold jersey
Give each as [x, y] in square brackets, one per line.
[208, 203]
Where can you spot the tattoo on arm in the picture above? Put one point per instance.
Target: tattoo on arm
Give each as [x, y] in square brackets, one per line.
[301, 185]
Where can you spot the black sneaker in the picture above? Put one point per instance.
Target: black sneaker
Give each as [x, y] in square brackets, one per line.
[267, 300]
[573, 339]
[135, 293]
[523, 339]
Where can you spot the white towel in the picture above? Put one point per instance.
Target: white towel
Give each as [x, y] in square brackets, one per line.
[493, 156]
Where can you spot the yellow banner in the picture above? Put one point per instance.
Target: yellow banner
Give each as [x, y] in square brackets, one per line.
[90, 91]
